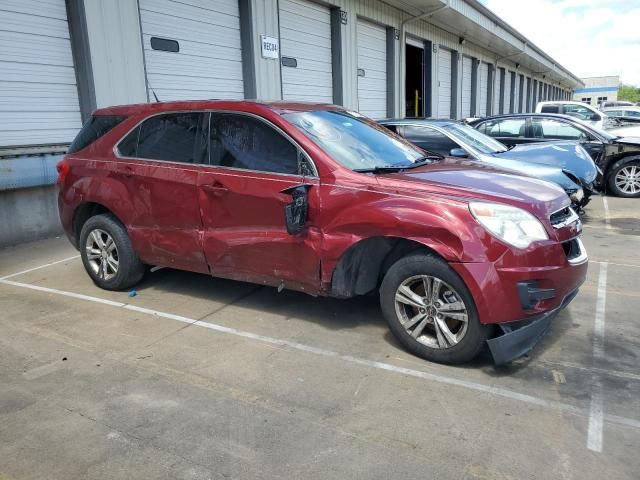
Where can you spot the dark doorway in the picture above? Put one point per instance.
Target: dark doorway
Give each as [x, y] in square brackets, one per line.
[414, 83]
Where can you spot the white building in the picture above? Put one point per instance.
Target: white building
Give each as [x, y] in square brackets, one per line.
[59, 60]
[597, 90]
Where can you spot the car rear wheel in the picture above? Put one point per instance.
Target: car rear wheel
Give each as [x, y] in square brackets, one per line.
[430, 310]
[107, 253]
[624, 178]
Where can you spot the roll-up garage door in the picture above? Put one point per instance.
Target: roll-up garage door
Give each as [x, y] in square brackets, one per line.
[372, 69]
[514, 80]
[483, 77]
[305, 46]
[38, 93]
[466, 87]
[444, 83]
[507, 91]
[192, 49]
[496, 90]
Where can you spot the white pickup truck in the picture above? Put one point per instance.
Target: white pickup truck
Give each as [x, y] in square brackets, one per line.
[590, 115]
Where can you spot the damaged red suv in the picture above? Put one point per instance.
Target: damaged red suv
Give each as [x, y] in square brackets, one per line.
[321, 200]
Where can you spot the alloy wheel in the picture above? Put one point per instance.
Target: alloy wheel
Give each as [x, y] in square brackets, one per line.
[431, 311]
[102, 254]
[628, 179]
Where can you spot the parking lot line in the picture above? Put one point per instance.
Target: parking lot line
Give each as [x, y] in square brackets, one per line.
[594, 435]
[607, 219]
[39, 267]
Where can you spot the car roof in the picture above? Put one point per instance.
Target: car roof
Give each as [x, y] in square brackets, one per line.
[633, 108]
[518, 115]
[240, 105]
[562, 102]
[413, 121]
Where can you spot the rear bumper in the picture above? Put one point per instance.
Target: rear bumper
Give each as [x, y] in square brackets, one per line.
[517, 338]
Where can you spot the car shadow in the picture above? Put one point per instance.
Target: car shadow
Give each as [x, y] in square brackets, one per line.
[329, 313]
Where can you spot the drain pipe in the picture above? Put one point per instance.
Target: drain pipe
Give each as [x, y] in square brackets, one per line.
[403, 54]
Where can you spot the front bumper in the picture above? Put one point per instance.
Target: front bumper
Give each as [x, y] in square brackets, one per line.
[518, 338]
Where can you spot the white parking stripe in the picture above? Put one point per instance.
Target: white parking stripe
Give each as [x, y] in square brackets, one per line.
[41, 266]
[607, 220]
[497, 391]
[596, 413]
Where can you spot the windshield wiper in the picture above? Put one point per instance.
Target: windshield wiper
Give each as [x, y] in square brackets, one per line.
[399, 168]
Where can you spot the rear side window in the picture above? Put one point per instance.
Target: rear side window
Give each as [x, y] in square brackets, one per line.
[512, 128]
[550, 109]
[175, 137]
[93, 129]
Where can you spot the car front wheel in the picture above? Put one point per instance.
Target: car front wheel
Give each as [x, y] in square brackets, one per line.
[624, 178]
[430, 310]
[107, 254]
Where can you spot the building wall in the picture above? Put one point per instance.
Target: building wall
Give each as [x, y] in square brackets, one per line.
[598, 89]
[106, 42]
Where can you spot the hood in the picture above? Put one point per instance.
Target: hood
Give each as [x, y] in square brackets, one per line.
[550, 174]
[629, 140]
[568, 156]
[474, 180]
[627, 131]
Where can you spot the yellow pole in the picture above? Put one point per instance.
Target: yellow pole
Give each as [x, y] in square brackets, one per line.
[416, 104]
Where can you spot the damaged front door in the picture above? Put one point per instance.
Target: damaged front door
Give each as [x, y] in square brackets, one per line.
[245, 201]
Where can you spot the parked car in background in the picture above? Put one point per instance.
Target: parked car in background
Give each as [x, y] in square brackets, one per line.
[617, 103]
[627, 114]
[564, 163]
[618, 157]
[317, 199]
[580, 110]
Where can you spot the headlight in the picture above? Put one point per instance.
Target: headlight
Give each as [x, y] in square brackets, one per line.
[577, 196]
[513, 225]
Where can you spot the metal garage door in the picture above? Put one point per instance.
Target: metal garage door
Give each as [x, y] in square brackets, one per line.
[372, 69]
[38, 92]
[516, 93]
[305, 45]
[466, 87]
[208, 63]
[444, 83]
[496, 90]
[507, 91]
[483, 80]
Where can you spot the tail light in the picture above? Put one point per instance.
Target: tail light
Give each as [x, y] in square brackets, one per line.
[63, 168]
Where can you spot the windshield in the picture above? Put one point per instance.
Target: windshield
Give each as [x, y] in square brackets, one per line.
[475, 139]
[353, 142]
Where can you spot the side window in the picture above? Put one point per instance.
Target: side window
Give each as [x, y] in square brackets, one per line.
[553, 129]
[511, 127]
[578, 111]
[241, 141]
[632, 113]
[550, 109]
[429, 139]
[174, 137]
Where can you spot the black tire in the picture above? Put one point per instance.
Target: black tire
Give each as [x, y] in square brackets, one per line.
[424, 264]
[613, 172]
[130, 269]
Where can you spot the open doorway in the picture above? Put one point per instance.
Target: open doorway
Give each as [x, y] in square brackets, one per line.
[414, 91]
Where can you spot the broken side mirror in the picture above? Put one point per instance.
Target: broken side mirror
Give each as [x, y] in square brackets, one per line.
[295, 213]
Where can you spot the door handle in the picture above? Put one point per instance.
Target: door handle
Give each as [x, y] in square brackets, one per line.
[215, 188]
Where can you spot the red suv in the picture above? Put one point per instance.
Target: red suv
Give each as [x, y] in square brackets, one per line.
[322, 200]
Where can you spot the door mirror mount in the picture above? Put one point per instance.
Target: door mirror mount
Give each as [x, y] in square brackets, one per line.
[295, 213]
[459, 153]
[595, 117]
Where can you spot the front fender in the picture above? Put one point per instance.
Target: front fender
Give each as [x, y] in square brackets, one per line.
[445, 227]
